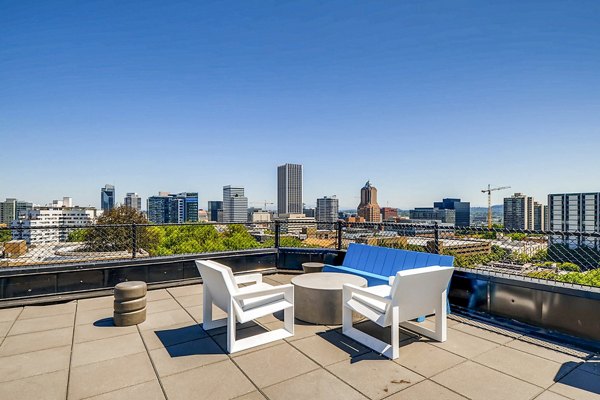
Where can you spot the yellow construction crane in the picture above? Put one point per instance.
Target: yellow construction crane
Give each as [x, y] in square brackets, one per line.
[489, 191]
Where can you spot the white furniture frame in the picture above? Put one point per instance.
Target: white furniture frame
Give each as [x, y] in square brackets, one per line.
[244, 304]
[411, 293]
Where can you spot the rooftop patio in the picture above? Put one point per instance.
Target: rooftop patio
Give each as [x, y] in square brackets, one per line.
[72, 351]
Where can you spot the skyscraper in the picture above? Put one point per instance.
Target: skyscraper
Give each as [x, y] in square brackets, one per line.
[289, 189]
[518, 212]
[327, 209]
[462, 214]
[368, 207]
[133, 200]
[575, 212]
[158, 208]
[107, 197]
[213, 210]
[173, 208]
[235, 204]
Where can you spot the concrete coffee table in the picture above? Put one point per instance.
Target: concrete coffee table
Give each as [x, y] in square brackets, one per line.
[318, 296]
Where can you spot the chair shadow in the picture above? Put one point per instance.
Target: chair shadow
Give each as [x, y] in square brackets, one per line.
[567, 375]
[187, 341]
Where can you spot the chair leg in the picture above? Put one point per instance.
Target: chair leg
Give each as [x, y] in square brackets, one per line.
[395, 336]
[231, 330]
[346, 319]
[207, 317]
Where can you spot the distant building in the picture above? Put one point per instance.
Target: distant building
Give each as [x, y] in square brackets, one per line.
[368, 207]
[539, 216]
[213, 210]
[235, 204]
[42, 225]
[133, 200]
[65, 202]
[462, 210]
[202, 215]
[389, 213]
[107, 197]
[289, 189]
[309, 212]
[327, 210]
[518, 212]
[575, 212]
[173, 208]
[158, 208]
[11, 208]
[433, 214]
[258, 216]
[296, 223]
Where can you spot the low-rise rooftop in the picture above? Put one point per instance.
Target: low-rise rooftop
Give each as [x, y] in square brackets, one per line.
[73, 351]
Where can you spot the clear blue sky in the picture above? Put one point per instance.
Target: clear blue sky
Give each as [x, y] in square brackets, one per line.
[425, 99]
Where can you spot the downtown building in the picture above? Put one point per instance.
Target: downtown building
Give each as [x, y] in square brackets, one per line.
[10, 209]
[215, 211]
[368, 207]
[169, 208]
[327, 211]
[289, 189]
[107, 198]
[46, 225]
[235, 204]
[574, 212]
[462, 210]
[389, 213]
[133, 200]
[432, 214]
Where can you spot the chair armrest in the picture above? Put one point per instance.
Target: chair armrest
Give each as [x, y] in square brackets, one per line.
[391, 280]
[287, 290]
[248, 278]
[349, 290]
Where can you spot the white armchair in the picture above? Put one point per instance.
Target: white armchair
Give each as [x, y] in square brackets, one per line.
[244, 304]
[411, 293]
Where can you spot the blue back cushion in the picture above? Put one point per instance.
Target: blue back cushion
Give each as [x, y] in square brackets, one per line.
[386, 262]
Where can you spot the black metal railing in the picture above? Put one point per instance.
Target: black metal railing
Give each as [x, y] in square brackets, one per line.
[571, 257]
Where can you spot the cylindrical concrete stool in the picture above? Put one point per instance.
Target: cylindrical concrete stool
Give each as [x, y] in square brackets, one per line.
[130, 303]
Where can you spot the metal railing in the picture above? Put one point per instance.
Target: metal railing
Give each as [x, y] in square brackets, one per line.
[571, 257]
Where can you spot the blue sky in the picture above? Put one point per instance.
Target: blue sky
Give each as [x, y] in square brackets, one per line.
[425, 99]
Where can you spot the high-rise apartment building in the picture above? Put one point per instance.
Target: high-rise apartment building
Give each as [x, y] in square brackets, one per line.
[327, 209]
[235, 204]
[173, 208]
[368, 207]
[518, 212]
[539, 216]
[575, 212]
[107, 197]
[289, 189]
[11, 208]
[213, 210]
[462, 210]
[133, 200]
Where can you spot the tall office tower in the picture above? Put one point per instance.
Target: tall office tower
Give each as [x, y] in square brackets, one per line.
[575, 212]
[327, 209]
[289, 189]
[133, 200]
[235, 205]
[158, 208]
[183, 207]
[107, 197]
[518, 212]
[368, 207]
[462, 214]
[11, 208]
[213, 210]
[539, 216]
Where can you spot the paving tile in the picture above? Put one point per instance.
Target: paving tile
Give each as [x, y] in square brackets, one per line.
[381, 333]
[579, 384]
[318, 384]
[374, 375]
[188, 290]
[197, 313]
[106, 349]
[189, 301]
[144, 391]
[543, 352]
[94, 316]
[171, 335]
[548, 395]
[41, 324]
[592, 365]
[525, 366]
[464, 345]
[166, 318]
[244, 331]
[425, 359]
[479, 382]
[34, 363]
[106, 376]
[282, 278]
[181, 357]
[449, 321]
[157, 294]
[95, 303]
[4, 328]
[209, 381]
[51, 386]
[329, 347]
[426, 390]
[251, 396]
[301, 329]
[499, 336]
[274, 364]
[46, 311]
[10, 314]
[36, 341]
[101, 330]
[162, 305]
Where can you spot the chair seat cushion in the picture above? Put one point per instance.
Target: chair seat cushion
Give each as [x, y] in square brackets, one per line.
[383, 291]
[258, 301]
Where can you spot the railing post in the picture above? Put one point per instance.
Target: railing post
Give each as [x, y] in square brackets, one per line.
[436, 238]
[277, 233]
[339, 234]
[133, 240]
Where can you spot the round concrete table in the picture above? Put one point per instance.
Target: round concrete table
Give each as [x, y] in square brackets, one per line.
[318, 296]
[312, 267]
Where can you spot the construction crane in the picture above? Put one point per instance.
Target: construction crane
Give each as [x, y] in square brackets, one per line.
[489, 191]
[266, 203]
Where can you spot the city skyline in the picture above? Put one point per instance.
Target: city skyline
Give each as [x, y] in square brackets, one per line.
[449, 97]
